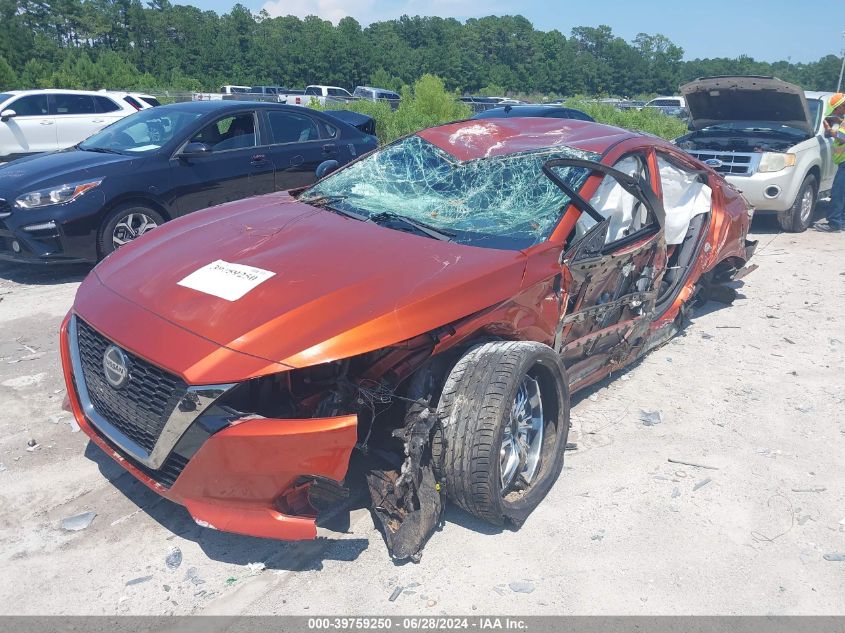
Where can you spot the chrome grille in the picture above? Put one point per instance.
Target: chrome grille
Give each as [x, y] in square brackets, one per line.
[141, 408]
[733, 163]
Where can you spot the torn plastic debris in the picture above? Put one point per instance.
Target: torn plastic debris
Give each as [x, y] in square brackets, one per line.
[407, 502]
[78, 521]
[651, 418]
[174, 558]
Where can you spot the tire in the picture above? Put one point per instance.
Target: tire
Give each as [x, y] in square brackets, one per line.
[799, 216]
[125, 223]
[475, 410]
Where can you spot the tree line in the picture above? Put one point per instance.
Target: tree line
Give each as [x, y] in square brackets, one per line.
[125, 44]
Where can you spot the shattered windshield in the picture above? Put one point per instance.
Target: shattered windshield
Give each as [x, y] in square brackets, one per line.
[497, 202]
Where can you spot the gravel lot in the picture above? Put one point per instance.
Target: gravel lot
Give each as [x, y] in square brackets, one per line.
[755, 390]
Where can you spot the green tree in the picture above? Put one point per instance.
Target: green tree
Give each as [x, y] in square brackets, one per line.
[8, 77]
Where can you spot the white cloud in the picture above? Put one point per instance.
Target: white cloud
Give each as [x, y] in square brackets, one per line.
[368, 11]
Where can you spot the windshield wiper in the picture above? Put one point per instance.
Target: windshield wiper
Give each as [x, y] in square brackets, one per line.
[438, 234]
[101, 150]
[325, 202]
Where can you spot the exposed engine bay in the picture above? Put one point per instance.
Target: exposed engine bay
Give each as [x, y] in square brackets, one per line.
[735, 142]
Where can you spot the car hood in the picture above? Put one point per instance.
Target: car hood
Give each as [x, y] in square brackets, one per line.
[713, 100]
[340, 287]
[55, 168]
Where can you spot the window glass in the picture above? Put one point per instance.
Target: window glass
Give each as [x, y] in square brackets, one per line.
[104, 104]
[329, 130]
[231, 132]
[290, 127]
[74, 104]
[626, 212]
[5, 96]
[133, 102]
[33, 105]
[499, 202]
[143, 132]
[337, 92]
[151, 101]
[312, 90]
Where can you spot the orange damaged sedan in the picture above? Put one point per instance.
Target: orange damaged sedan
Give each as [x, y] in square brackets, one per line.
[423, 313]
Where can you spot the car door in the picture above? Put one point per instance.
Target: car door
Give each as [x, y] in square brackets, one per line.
[76, 117]
[299, 143]
[31, 130]
[237, 165]
[613, 266]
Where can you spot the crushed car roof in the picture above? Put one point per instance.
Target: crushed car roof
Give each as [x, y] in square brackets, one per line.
[472, 139]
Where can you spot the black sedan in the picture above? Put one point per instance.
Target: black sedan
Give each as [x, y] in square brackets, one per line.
[80, 204]
[554, 111]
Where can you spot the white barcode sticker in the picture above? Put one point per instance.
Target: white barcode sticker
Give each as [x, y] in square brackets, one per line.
[225, 280]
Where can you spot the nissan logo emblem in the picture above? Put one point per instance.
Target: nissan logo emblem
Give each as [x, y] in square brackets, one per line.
[115, 366]
[715, 163]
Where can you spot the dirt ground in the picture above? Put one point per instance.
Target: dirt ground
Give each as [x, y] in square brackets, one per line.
[755, 391]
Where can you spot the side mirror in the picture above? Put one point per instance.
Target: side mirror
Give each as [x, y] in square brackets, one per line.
[5, 115]
[326, 167]
[196, 150]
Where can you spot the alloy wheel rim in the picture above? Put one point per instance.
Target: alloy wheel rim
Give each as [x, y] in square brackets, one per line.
[806, 205]
[522, 439]
[131, 227]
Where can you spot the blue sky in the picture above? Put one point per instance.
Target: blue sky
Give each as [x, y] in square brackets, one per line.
[769, 31]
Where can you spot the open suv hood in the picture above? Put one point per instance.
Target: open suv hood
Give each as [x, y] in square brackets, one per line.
[713, 100]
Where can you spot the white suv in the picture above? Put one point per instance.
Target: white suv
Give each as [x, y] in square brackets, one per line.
[33, 121]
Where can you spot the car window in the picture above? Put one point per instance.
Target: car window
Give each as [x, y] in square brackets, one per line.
[235, 131]
[291, 127]
[816, 109]
[133, 102]
[143, 132]
[104, 104]
[329, 130]
[5, 96]
[152, 101]
[626, 212]
[32, 105]
[67, 104]
[337, 92]
[313, 91]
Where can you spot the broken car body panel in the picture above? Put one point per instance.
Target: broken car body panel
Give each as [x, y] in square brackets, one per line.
[347, 342]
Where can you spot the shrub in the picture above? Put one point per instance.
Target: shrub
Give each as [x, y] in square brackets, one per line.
[649, 120]
[423, 105]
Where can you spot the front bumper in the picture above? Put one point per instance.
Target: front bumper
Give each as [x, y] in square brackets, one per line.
[61, 234]
[251, 477]
[758, 189]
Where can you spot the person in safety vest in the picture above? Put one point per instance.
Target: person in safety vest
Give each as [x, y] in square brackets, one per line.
[834, 129]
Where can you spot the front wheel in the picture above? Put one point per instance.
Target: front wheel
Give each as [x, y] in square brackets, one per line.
[799, 216]
[126, 223]
[504, 414]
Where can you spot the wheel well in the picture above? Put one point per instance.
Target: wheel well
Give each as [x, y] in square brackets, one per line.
[150, 202]
[815, 171]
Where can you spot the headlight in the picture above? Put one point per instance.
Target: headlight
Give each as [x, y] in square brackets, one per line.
[60, 194]
[775, 161]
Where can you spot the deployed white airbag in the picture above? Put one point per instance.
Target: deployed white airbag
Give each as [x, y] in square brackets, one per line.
[684, 197]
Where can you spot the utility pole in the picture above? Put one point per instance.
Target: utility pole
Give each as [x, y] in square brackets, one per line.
[841, 69]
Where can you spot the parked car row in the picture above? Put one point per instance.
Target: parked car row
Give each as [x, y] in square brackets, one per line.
[33, 121]
[321, 93]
